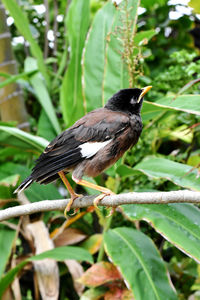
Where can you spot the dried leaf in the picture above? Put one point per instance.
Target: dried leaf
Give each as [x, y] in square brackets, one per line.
[100, 273]
[70, 236]
[76, 270]
[46, 269]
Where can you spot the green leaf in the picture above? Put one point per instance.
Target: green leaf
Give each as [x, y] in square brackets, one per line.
[125, 171]
[42, 93]
[66, 252]
[23, 26]
[149, 4]
[139, 261]
[7, 279]
[35, 192]
[142, 37]
[176, 172]
[77, 24]
[151, 111]
[58, 254]
[178, 223]
[45, 128]
[14, 78]
[116, 72]
[186, 103]
[16, 137]
[7, 237]
[94, 59]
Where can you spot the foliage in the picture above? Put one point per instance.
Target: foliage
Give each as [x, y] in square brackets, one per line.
[98, 48]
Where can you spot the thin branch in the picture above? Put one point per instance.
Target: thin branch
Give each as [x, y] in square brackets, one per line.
[114, 200]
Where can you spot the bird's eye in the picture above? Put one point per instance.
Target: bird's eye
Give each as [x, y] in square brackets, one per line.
[132, 101]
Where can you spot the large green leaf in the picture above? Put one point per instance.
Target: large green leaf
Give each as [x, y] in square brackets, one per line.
[23, 26]
[71, 90]
[59, 254]
[179, 223]
[7, 237]
[42, 93]
[116, 72]
[94, 59]
[186, 103]
[176, 172]
[18, 138]
[139, 261]
[151, 111]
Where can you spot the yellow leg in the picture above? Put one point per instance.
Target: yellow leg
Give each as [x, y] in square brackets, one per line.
[105, 191]
[71, 191]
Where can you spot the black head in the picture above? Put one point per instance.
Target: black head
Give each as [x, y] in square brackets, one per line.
[128, 100]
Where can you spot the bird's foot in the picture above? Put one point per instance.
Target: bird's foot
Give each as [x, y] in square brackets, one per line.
[68, 207]
[106, 192]
[111, 212]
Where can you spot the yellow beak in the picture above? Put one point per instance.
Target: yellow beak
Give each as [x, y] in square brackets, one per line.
[144, 91]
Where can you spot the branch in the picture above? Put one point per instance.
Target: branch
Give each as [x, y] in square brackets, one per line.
[114, 200]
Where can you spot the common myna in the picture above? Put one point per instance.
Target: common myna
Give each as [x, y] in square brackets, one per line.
[92, 144]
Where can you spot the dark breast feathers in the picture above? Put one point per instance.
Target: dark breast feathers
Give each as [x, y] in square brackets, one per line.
[91, 145]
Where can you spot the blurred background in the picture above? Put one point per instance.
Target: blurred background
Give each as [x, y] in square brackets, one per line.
[60, 59]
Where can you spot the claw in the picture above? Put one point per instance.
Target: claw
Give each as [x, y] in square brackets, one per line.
[68, 207]
[100, 197]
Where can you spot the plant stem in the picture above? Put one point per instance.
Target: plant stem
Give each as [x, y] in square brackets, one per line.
[101, 250]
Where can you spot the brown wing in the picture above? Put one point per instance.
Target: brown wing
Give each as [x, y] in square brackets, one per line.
[64, 152]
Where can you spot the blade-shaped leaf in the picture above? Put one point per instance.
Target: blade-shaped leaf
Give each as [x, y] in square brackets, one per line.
[16, 137]
[94, 57]
[42, 93]
[139, 261]
[71, 90]
[178, 173]
[58, 254]
[186, 103]
[179, 223]
[14, 78]
[23, 26]
[65, 252]
[7, 237]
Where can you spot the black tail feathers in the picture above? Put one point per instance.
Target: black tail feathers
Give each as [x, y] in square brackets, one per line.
[24, 184]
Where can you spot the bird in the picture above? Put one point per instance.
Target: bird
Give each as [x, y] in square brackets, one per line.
[92, 144]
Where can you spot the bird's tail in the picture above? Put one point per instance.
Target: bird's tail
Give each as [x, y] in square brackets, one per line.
[24, 185]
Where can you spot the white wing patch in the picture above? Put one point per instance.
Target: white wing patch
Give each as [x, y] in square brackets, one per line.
[91, 148]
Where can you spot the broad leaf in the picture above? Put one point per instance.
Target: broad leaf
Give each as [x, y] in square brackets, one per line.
[139, 261]
[179, 223]
[178, 173]
[116, 72]
[94, 60]
[186, 103]
[71, 90]
[99, 274]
